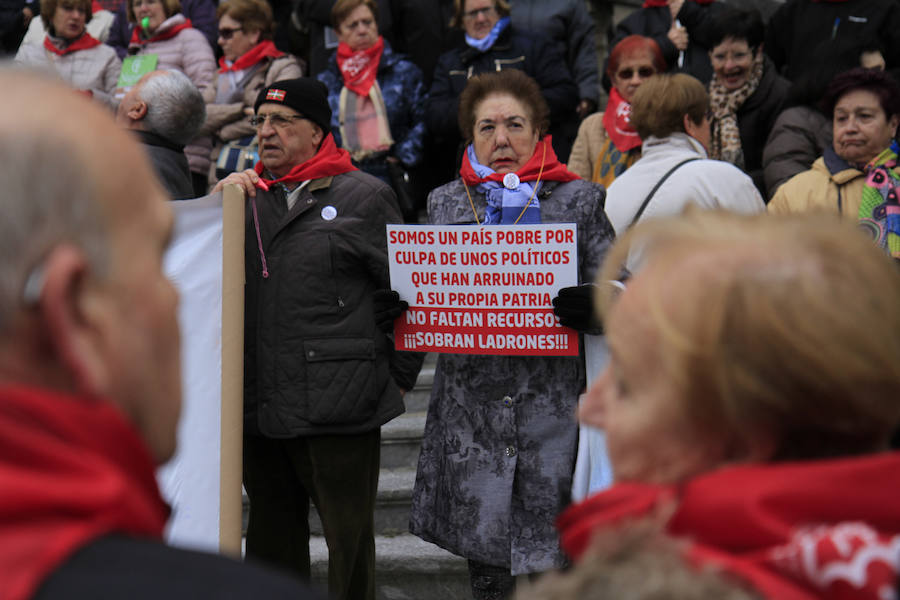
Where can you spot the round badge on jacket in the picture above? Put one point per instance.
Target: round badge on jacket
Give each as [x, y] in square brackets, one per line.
[511, 181]
[329, 213]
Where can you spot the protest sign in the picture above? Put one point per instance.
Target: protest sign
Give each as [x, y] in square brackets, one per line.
[483, 289]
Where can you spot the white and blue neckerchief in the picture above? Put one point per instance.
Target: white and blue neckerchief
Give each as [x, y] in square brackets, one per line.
[506, 201]
[485, 43]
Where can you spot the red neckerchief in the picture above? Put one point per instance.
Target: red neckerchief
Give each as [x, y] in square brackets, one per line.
[83, 43]
[553, 170]
[617, 122]
[792, 530]
[329, 160]
[71, 470]
[359, 68]
[165, 35]
[96, 7]
[264, 49]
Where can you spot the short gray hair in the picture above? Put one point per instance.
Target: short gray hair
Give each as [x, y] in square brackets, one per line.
[175, 107]
[49, 197]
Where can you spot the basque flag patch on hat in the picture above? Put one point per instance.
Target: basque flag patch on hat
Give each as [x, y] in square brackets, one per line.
[277, 95]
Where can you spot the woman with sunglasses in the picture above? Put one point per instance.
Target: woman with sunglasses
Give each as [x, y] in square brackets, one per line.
[250, 62]
[161, 30]
[607, 142]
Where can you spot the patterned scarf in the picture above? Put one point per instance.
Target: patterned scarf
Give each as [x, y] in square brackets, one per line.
[879, 211]
[507, 195]
[359, 68]
[724, 104]
[364, 126]
[810, 530]
[612, 162]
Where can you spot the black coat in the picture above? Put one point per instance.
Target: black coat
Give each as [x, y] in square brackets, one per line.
[116, 567]
[170, 164]
[756, 117]
[655, 22]
[800, 26]
[537, 56]
[314, 360]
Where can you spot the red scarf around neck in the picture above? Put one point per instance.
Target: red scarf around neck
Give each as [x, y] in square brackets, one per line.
[82, 43]
[553, 169]
[264, 49]
[617, 122]
[328, 161]
[792, 530]
[165, 35]
[71, 470]
[359, 68]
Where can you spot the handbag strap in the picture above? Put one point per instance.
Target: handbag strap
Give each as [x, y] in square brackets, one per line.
[656, 187]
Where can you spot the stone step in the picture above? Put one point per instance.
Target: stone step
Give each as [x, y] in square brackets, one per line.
[406, 568]
[416, 399]
[392, 504]
[401, 440]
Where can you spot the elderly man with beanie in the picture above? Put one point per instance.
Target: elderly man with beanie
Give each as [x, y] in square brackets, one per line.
[320, 378]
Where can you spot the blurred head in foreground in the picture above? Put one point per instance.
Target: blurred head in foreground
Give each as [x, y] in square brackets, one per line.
[745, 339]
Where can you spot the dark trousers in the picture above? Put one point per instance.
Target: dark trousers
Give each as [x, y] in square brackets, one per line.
[339, 473]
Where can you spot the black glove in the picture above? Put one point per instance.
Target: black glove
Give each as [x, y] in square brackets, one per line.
[387, 306]
[575, 308]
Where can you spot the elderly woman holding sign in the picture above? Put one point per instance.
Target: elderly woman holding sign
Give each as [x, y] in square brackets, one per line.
[500, 439]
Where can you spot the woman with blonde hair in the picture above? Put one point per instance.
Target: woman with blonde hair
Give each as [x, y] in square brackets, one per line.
[747, 406]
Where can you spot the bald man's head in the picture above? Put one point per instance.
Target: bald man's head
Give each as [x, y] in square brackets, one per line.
[83, 225]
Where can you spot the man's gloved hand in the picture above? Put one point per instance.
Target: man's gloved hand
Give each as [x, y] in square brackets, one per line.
[575, 308]
[387, 306]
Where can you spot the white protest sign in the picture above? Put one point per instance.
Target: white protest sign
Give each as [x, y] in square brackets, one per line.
[476, 289]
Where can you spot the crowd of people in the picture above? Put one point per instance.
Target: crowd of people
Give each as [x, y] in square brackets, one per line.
[714, 168]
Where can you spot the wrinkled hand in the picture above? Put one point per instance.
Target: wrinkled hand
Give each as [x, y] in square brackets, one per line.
[575, 308]
[679, 37]
[387, 306]
[675, 8]
[585, 107]
[246, 179]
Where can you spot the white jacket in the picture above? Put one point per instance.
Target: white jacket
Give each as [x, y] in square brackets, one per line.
[706, 183]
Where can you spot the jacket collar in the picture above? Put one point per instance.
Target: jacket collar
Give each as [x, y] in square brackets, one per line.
[503, 43]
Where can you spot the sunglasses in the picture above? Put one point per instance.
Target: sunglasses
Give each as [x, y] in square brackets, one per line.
[226, 33]
[643, 73]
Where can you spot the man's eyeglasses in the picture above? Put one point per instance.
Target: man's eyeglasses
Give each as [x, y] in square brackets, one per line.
[226, 33]
[643, 73]
[487, 11]
[277, 120]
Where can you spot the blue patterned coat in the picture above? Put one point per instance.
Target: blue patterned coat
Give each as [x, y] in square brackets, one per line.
[404, 97]
[500, 439]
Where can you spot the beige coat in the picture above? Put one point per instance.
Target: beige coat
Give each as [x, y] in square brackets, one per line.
[588, 143]
[820, 190]
[226, 122]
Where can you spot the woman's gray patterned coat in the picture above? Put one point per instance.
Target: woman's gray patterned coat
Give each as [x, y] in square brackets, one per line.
[500, 440]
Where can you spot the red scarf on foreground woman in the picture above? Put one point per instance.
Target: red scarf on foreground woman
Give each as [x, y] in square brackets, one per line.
[543, 163]
[795, 531]
[71, 470]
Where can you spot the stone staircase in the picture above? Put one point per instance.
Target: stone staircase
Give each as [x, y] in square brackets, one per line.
[406, 567]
